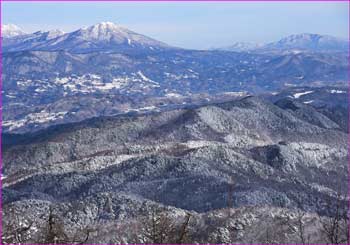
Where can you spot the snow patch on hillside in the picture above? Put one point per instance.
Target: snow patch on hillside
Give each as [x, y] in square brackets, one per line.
[333, 91]
[173, 95]
[34, 118]
[143, 77]
[298, 95]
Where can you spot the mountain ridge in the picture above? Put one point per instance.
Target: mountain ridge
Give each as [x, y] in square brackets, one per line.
[270, 150]
[296, 42]
[104, 35]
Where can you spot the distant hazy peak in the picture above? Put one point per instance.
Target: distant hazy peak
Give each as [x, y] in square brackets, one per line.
[242, 46]
[11, 30]
[302, 41]
[309, 41]
[50, 34]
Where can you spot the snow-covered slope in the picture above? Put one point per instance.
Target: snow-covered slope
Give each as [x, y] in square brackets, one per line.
[10, 30]
[30, 41]
[105, 36]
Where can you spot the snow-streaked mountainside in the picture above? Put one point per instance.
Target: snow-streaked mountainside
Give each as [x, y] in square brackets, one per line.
[285, 155]
[29, 41]
[297, 42]
[105, 36]
[104, 130]
[11, 30]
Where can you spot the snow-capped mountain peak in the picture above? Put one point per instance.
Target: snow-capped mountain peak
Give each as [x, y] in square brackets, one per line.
[242, 46]
[103, 31]
[106, 26]
[11, 30]
[104, 36]
[54, 33]
[309, 41]
[103, 25]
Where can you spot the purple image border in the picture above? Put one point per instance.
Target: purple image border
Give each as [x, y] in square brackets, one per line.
[171, 1]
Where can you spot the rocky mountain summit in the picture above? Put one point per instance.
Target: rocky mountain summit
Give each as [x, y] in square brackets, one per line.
[246, 152]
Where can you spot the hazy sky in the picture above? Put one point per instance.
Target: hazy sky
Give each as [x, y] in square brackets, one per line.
[191, 24]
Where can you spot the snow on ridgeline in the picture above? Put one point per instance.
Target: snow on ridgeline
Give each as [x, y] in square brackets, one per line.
[143, 109]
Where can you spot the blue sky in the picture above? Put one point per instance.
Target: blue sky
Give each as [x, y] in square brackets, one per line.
[191, 24]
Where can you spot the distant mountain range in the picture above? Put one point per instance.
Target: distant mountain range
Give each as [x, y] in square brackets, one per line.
[298, 42]
[105, 36]
[47, 75]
